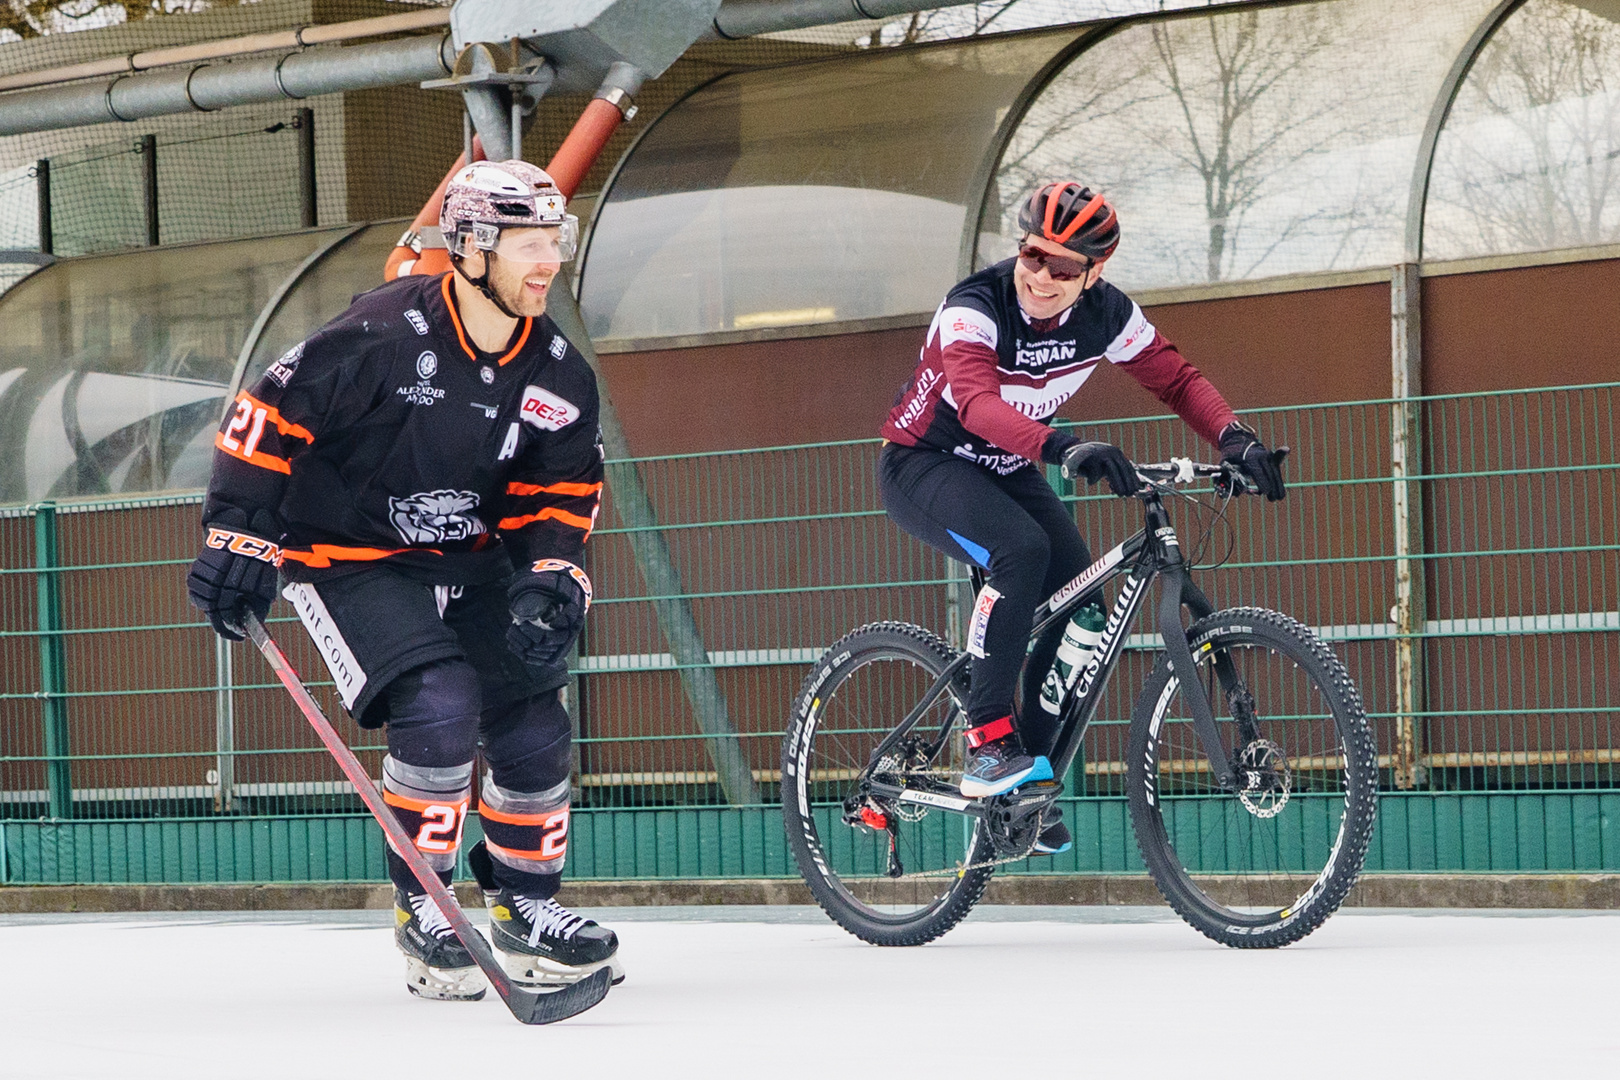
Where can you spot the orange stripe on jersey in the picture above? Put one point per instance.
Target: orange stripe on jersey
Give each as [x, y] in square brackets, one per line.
[550, 512]
[515, 488]
[523, 339]
[252, 457]
[321, 555]
[421, 806]
[461, 334]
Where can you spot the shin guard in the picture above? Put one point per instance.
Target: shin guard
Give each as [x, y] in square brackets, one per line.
[526, 834]
[432, 805]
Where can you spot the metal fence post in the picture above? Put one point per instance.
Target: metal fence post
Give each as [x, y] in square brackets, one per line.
[1406, 461]
[224, 728]
[306, 167]
[52, 666]
[149, 184]
[42, 179]
[657, 566]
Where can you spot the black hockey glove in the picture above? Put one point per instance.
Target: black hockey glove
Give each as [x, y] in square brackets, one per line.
[548, 605]
[1242, 449]
[236, 571]
[1098, 461]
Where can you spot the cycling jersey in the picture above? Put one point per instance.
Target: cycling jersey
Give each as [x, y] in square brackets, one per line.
[388, 438]
[989, 376]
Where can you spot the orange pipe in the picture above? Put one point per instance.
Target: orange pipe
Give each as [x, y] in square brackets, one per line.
[584, 144]
[404, 259]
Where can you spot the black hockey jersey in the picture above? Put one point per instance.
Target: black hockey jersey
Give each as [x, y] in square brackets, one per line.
[388, 437]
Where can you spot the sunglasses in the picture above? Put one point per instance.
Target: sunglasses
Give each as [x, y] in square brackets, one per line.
[1060, 268]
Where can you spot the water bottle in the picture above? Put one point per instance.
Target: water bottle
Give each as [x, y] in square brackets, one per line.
[1080, 640]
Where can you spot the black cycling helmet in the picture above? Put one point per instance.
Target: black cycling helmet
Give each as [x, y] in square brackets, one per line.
[1067, 213]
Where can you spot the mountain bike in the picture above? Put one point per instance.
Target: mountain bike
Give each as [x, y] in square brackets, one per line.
[1250, 771]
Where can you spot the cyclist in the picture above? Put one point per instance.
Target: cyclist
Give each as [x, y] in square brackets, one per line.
[1007, 347]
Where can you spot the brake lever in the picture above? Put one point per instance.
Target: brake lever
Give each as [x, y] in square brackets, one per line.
[1232, 481]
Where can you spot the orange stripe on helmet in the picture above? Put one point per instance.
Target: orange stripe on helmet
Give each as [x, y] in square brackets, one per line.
[1079, 219]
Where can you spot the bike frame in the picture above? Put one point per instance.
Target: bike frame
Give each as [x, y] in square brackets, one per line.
[1154, 552]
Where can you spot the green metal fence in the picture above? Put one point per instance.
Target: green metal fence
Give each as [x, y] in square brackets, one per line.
[136, 747]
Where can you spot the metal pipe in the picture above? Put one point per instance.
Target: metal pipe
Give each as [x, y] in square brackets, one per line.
[205, 87]
[745, 18]
[299, 38]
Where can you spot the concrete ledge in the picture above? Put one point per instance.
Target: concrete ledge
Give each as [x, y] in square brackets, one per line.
[1574, 891]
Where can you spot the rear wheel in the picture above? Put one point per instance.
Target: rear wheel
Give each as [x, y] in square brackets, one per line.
[1266, 865]
[855, 695]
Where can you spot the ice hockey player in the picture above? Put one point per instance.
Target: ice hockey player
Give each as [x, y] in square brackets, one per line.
[1009, 345]
[425, 470]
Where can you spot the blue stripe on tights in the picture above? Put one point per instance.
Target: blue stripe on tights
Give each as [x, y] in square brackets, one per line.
[979, 555]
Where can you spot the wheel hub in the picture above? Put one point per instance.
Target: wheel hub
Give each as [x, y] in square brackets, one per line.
[1263, 778]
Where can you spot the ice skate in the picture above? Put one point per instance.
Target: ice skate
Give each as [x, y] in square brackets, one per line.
[540, 941]
[437, 965]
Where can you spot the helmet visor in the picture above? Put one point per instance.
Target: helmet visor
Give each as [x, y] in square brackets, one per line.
[540, 244]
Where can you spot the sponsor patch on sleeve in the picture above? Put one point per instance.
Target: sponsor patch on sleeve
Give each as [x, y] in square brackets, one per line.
[966, 324]
[1137, 335]
[546, 410]
[281, 372]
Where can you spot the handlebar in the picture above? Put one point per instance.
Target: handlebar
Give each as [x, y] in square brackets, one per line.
[1186, 470]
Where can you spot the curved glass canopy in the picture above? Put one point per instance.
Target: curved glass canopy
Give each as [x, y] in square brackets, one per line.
[813, 193]
[114, 369]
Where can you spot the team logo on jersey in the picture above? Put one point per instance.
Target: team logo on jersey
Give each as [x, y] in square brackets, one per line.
[546, 410]
[487, 374]
[433, 517]
[427, 364]
[417, 321]
[1041, 355]
[281, 372]
[559, 345]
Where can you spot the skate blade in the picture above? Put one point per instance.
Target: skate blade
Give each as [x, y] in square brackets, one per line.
[444, 984]
[540, 971]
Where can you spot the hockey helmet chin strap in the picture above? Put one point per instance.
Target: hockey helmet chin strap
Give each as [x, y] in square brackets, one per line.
[481, 282]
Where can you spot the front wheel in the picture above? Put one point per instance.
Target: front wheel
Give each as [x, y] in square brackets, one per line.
[1265, 865]
[909, 882]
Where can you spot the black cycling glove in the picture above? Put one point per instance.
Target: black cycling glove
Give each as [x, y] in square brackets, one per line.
[548, 605]
[1098, 461]
[1242, 449]
[236, 571]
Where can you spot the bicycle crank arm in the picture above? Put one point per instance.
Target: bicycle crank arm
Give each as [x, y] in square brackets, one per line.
[1181, 662]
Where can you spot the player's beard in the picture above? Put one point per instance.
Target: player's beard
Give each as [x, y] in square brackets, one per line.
[506, 280]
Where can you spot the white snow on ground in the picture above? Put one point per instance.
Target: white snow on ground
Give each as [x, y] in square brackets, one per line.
[720, 993]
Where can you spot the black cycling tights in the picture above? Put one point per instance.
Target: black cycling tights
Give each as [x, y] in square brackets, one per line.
[1016, 528]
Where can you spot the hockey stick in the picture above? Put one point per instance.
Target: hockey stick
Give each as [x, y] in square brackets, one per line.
[527, 1006]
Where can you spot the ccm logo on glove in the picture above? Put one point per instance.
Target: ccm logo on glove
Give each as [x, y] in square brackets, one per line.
[242, 544]
[571, 570]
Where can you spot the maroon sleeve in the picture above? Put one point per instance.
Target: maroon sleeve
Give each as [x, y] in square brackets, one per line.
[1168, 376]
[970, 371]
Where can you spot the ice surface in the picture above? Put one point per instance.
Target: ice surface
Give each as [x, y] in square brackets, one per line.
[769, 993]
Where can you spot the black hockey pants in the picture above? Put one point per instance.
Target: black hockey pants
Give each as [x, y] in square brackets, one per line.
[1017, 529]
